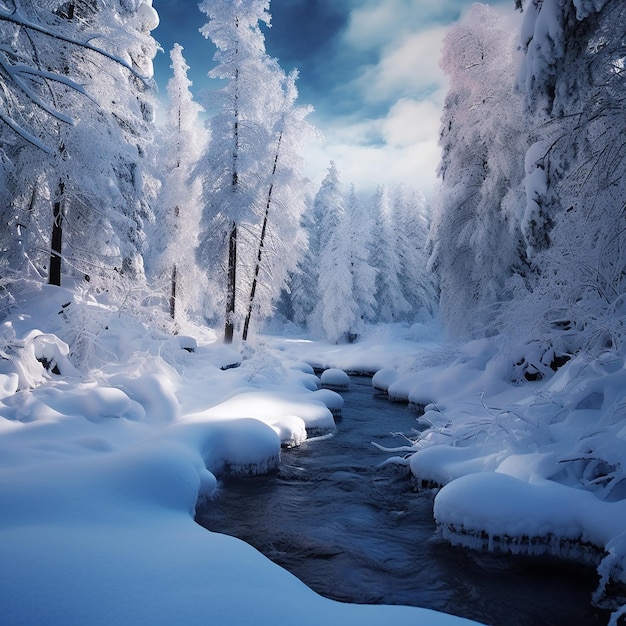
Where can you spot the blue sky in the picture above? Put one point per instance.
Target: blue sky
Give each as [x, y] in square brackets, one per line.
[369, 68]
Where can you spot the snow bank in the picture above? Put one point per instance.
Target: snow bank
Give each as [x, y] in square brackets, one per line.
[100, 474]
[538, 468]
[494, 511]
[378, 347]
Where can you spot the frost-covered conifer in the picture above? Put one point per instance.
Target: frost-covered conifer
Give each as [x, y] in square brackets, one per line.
[391, 305]
[336, 315]
[358, 240]
[238, 165]
[476, 239]
[572, 82]
[179, 208]
[81, 172]
[280, 236]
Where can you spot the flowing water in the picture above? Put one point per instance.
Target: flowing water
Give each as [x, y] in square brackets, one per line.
[357, 532]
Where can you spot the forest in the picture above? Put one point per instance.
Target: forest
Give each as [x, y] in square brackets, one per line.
[120, 234]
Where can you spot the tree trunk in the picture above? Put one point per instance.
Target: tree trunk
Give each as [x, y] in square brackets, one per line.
[56, 242]
[257, 267]
[173, 294]
[229, 326]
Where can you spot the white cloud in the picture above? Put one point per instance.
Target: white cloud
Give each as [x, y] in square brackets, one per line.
[408, 67]
[399, 145]
[400, 148]
[371, 21]
[411, 122]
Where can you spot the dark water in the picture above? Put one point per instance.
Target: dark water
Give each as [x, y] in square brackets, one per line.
[356, 532]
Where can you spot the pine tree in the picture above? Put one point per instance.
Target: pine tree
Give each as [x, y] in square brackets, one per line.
[482, 137]
[337, 314]
[239, 164]
[574, 214]
[391, 305]
[176, 228]
[76, 166]
[358, 240]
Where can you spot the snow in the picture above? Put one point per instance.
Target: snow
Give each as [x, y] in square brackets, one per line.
[335, 378]
[100, 473]
[534, 468]
[101, 467]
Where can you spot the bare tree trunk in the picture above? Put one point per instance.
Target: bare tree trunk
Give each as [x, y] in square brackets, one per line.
[56, 239]
[229, 326]
[173, 294]
[257, 267]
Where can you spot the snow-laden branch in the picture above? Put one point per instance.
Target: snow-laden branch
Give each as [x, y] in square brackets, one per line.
[18, 73]
[16, 18]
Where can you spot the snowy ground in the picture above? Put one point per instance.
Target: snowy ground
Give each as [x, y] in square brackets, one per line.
[100, 470]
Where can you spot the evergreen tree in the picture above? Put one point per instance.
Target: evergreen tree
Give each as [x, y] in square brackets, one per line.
[281, 238]
[412, 227]
[574, 215]
[476, 242]
[391, 305]
[340, 308]
[83, 177]
[176, 229]
[238, 163]
[358, 240]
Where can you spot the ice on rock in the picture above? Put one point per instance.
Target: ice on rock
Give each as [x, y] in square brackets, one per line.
[335, 378]
[493, 511]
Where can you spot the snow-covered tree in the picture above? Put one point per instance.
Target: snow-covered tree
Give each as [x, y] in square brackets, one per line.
[572, 82]
[337, 314]
[300, 297]
[281, 238]
[179, 208]
[412, 223]
[238, 168]
[358, 240]
[84, 163]
[391, 305]
[476, 243]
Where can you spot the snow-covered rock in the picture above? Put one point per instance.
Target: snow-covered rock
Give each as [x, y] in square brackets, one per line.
[334, 378]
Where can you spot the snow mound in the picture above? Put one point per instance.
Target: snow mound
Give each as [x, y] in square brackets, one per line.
[331, 399]
[492, 511]
[334, 378]
[384, 378]
[275, 409]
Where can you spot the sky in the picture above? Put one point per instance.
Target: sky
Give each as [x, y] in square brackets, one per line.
[370, 69]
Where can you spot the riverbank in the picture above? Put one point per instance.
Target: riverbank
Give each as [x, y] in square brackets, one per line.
[101, 470]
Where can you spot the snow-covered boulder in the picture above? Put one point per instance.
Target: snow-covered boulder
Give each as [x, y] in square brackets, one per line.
[331, 399]
[335, 378]
[383, 378]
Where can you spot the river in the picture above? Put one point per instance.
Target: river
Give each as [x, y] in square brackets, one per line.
[357, 532]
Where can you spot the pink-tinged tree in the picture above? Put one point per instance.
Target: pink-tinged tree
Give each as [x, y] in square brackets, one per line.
[476, 242]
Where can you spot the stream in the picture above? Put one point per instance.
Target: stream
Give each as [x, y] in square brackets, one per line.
[357, 532]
